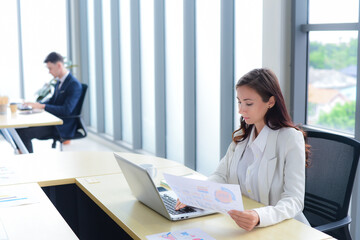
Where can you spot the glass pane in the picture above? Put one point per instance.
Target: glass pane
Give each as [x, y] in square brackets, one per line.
[106, 26]
[174, 80]
[125, 45]
[147, 74]
[248, 50]
[207, 85]
[92, 73]
[9, 62]
[42, 33]
[332, 80]
[333, 11]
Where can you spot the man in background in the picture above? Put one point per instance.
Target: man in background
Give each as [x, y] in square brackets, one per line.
[62, 104]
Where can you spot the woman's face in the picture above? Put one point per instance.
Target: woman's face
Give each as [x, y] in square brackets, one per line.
[251, 106]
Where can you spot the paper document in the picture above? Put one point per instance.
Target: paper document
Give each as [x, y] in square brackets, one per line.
[205, 194]
[188, 234]
[16, 195]
[15, 200]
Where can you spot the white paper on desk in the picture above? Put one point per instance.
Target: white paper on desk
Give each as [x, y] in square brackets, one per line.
[188, 234]
[17, 196]
[205, 194]
[15, 200]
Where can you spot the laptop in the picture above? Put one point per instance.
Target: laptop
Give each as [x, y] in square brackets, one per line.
[144, 189]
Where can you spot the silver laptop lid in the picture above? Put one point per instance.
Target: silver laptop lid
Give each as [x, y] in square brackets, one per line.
[144, 189]
[142, 186]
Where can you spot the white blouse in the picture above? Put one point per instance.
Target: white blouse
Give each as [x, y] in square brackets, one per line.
[248, 166]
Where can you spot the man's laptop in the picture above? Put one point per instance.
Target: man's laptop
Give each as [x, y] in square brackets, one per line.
[144, 189]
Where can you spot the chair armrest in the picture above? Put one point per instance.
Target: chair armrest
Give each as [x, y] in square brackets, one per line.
[334, 225]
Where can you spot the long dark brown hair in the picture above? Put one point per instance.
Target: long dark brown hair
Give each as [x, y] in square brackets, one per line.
[266, 84]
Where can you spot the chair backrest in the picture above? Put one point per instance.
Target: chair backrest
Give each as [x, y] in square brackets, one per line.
[78, 108]
[330, 177]
[80, 131]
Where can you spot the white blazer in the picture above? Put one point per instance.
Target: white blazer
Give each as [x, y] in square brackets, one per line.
[281, 175]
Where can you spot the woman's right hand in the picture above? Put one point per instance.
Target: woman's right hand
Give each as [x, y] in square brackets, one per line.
[179, 205]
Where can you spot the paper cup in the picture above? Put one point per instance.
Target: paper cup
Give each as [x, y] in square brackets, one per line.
[150, 169]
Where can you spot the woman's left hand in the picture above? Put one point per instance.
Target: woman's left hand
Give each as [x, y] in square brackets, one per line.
[247, 219]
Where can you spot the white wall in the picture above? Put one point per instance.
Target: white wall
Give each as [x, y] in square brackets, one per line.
[277, 42]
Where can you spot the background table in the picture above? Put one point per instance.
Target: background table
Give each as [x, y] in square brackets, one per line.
[63, 167]
[10, 121]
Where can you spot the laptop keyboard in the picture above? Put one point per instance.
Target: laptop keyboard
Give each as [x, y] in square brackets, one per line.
[170, 206]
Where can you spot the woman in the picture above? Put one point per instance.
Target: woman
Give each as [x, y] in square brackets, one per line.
[268, 154]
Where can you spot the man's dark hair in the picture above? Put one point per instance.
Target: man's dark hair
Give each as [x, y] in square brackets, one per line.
[54, 58]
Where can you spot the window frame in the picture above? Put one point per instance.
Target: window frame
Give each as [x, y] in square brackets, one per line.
[299, 73]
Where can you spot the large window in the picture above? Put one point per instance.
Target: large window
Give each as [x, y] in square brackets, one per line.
[332, 61]
[248, 50]
[325, 63]
[29, 32]
[330, 38]
[174, 51]
[42, 33]
[92, 62]
[147, 74]
[207, 84]
[336, 11]
[108, 100]
[125, 46]
[332, 80]
[173, 56]
[9, 48]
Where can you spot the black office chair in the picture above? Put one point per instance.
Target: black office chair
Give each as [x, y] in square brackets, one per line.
[329, 182]
[81, 131]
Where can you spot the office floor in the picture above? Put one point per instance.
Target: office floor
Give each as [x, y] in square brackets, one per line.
[90, 143]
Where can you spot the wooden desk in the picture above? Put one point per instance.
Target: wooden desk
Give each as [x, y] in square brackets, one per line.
[37, 221]
[10, 121]
[113, 195]
[63, 167]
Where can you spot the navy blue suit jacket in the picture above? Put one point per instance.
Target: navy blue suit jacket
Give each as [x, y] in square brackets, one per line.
[63, 103]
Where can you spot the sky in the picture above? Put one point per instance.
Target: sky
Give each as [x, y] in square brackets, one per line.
[333, 11]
